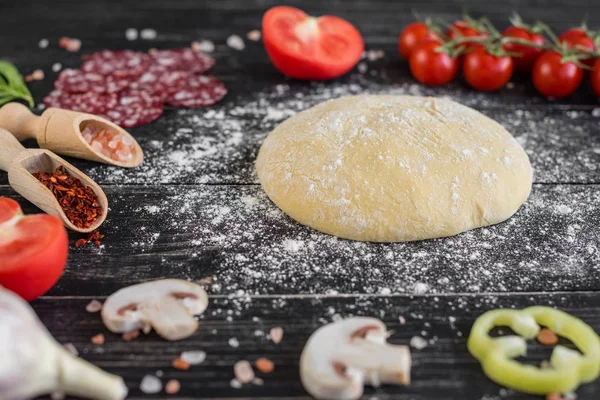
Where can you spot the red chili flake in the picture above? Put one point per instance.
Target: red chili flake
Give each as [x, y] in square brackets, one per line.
[79, 202]
[93, 237]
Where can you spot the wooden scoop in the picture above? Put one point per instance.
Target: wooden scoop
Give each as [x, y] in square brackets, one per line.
[60, 131]
[21, 163]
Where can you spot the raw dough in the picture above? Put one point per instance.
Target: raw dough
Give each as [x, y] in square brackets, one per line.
[394, 168]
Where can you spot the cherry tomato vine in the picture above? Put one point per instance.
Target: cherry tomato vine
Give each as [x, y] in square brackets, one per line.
[437, 51]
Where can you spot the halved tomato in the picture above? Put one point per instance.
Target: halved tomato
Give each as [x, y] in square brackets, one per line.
[33, 250]
[312, 48]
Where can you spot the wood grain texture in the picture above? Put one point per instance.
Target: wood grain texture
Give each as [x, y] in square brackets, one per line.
[443, 370]
[237, 235]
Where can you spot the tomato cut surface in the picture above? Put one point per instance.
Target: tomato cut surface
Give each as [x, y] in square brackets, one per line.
[312, 48]
[33, 250]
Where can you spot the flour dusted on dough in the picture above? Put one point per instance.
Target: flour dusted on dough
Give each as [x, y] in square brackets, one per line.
[394, 168]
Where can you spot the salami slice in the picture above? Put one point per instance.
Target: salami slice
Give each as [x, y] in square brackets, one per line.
[161, 81]
[186, 60]
[90, 102]
[135, 108]
[77, 81]
[122, 64]
[200, 91]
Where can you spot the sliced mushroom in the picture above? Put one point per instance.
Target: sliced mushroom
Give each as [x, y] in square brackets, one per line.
[341, 357]
[34, 364]
[167, 305]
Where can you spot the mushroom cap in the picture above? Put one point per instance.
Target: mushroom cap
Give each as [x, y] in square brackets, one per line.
[339, 358]
[167, 305]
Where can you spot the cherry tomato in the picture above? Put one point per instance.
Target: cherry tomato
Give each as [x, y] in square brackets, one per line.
[464, 29]
[528, 55]
[485, 71]
[305, 47]
[578, 37]
[595, 78]
[33, 250]
[430, 66]
[553, 78]
[413, 35]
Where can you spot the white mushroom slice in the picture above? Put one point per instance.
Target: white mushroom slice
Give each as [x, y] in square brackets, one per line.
[34, 364]
[341, 357]
[167, 305]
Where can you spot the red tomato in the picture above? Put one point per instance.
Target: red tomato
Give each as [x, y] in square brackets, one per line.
[413, 35]
[553, 78]
[485, 71]
[578, 37]
[33, 250]
[464, 29]
[595, 78]
[528, 55]
[305, 47]
[430, 66]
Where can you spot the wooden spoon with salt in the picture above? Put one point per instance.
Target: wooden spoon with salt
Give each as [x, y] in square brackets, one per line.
[61, 130]
[22, 163]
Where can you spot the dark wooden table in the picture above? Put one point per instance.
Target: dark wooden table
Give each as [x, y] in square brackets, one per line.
[194, 208]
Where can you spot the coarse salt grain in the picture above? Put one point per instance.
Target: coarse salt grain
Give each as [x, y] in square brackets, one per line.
[148, 34]
[56, 67]
[150, 384]
[38, 75]
[233, 342]
[70, 347]
[94, 306]
[172, 387]
[243, 371]
[98, 339]
[43, 43]
[253, 35]
[596, 112]
[180, 364]
[235, 384]
[546, 337]
[276, 334]
[418, 342]
[129, 336]
[113, 145]
[258, 381]
[205, 46]
[131, 34]
[193, 357]
[236, 42]
[69, 44]
[264, 365]
[362, 67]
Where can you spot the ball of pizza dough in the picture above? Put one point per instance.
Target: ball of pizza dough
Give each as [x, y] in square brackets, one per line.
[394, 168]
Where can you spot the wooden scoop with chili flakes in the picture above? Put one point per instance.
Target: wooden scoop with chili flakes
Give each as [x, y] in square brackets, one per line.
[53, 185]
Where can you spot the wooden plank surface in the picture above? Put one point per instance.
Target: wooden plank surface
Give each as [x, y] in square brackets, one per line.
[194, 209]
[443, 370]
[237, 235]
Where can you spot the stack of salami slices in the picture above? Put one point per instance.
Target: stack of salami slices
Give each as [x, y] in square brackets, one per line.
[131, 88]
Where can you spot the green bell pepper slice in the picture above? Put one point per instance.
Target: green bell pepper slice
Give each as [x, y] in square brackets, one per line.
[568, 368]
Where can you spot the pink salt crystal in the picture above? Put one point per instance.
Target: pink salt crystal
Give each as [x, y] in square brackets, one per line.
[110, 144]
[243, 371]
[127, 141]
[97, 146]
[94, 306]
[276, 334]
